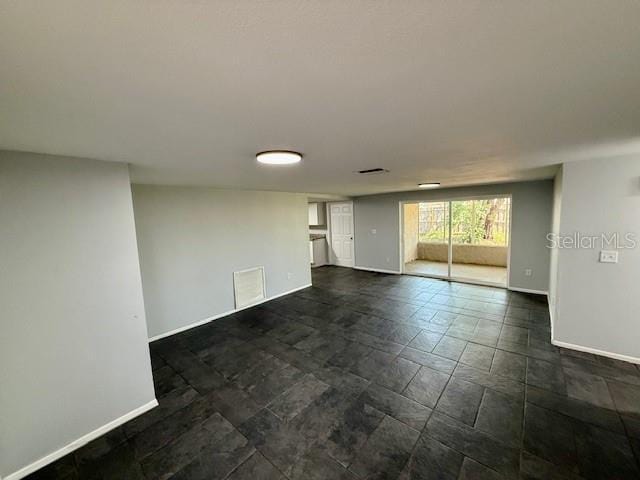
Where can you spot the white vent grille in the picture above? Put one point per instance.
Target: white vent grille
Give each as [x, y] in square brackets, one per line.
[248, 286]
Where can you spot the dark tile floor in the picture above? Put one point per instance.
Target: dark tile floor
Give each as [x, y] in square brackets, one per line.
[367, 375]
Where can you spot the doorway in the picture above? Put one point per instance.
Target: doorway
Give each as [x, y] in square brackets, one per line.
[465, 240]
[341, 232]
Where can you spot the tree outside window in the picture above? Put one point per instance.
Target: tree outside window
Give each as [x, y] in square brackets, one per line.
[473, 222]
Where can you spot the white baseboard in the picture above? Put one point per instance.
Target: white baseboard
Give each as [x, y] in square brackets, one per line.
[377, 270]
[52, 457]
[223, 314]
[595, 351]
[528, 290]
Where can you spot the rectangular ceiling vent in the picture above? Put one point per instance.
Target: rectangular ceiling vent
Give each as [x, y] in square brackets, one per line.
[373, 171]
[249, 286]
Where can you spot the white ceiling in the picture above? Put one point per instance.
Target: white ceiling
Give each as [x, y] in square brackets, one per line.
[459, 91]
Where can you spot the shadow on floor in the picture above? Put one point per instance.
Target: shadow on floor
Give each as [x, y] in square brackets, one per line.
[368, 375]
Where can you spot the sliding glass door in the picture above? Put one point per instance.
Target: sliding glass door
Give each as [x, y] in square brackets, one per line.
[426, 238]
[479, 235]
[465, 240]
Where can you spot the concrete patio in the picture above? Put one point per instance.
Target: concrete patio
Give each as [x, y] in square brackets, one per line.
[481, 273]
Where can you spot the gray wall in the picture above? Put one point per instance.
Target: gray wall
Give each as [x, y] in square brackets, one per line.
[531, 221]
[73, 349]
[597, 304]
[191, 240]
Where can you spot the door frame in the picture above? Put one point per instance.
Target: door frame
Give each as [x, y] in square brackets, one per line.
[331, 256]
[450, 277]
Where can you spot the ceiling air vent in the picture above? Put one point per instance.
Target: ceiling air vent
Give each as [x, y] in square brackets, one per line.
[248, 286]
[373, 171]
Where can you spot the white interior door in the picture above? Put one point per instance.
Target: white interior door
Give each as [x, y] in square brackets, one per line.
[342, 233]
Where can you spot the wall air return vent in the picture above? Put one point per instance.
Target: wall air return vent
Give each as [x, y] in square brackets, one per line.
[249, 286]
[373, 171]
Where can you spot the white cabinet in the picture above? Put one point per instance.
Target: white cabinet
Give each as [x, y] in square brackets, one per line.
[318, 252]
[317, 215]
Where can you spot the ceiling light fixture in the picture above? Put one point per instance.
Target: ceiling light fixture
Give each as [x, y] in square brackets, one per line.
[278, 157]
[429, 185]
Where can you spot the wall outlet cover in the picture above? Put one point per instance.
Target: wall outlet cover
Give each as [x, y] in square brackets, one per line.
[608, 256]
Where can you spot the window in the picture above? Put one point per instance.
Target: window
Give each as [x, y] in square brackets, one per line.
[473, 222]
[434, 222]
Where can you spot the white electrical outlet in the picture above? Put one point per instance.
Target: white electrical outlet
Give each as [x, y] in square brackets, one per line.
[289, 275]
[608, 256]
[373, 231]
[528, 272]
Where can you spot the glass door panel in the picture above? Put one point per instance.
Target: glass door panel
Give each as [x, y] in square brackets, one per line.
[427, 251]
[479, 240]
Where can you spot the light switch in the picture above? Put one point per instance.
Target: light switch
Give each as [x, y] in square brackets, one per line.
[373, 231]
[608, 256]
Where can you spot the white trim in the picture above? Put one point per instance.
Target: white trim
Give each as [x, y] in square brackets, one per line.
[449, 277]
[192, 325]
[595, 351]
[378, 270]
[330, 256]
[450, 234]
[52, 457]
[528, 290]
[510, 241]
[401, 237]
[223, 314]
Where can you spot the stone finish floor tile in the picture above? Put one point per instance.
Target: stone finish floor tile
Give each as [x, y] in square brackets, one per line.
[478, 356]
[546, 375]
[549, 435]
[387, 450]
[352, 430]
[474, 443]
[369, 375]
[256, 468]
[626, 398]
[591, 389]
[500, 416]
[399, 407]
[427, 386]
[510, 365]
[603, 454]
[450, 347]
[472, 470]
[461, 400]
[432, 459]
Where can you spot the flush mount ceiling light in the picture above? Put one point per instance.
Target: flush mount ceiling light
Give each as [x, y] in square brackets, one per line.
[429, 185]
[278, 157]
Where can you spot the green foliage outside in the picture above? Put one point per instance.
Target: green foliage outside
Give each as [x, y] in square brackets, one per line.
[477, 222]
